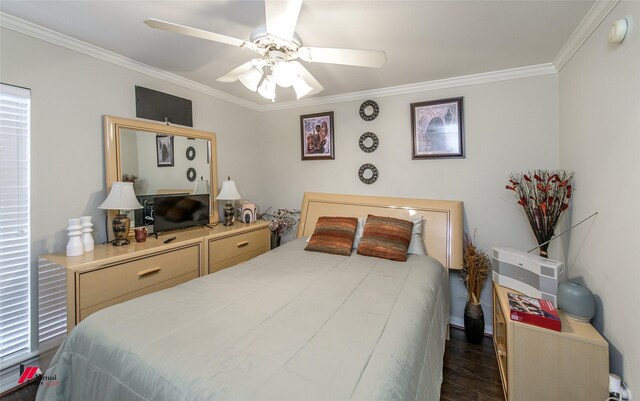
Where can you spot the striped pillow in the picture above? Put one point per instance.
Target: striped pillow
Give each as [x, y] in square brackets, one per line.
[386, 237]
[333, 235]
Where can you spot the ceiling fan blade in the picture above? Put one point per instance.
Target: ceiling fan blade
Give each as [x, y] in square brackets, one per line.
[282, 16]
[308, 78]
[360, 58]
[233, 75]
[198, 33]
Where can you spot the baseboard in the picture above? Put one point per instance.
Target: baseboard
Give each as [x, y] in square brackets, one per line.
[459, 323]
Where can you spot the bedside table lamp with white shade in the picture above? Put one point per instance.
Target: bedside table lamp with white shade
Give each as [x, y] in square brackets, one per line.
[229, 192]
[121, 197]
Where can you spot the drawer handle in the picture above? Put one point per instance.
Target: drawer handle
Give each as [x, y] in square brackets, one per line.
[241, 244]
[149, 271]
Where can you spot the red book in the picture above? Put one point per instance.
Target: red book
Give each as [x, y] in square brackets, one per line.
[538, 312]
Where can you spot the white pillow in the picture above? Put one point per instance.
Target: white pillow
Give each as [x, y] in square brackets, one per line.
[416, 246]
[359, 232]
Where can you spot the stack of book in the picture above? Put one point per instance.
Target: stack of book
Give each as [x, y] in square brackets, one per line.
[538, 312]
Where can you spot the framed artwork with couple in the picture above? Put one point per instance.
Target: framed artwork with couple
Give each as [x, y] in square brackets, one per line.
[316, 132]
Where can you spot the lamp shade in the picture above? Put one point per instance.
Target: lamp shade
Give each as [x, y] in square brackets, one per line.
[121, 197]
[268, 88]
[229, 191]
[202, 187]
[285, 74]
[301, 87]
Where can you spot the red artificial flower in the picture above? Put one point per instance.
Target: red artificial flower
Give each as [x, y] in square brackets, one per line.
[543, 208]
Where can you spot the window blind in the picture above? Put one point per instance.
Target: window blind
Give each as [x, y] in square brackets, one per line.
[52, 304]
[15, 305]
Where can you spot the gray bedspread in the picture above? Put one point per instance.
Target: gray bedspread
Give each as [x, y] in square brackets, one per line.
[287, 325]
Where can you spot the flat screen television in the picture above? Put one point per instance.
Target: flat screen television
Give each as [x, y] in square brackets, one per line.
[173, 212]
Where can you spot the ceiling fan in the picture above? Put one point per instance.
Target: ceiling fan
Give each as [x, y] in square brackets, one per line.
[279, 48]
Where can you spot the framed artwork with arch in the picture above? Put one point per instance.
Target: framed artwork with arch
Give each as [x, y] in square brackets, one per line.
[437, 129]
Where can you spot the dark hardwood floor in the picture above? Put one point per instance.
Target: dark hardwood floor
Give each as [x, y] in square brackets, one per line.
[470, 373]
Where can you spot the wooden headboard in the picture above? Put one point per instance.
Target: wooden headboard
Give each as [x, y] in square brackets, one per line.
[442, 229]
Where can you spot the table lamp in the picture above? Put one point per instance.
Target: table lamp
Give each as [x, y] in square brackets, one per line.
[229, 192]
[121, 197]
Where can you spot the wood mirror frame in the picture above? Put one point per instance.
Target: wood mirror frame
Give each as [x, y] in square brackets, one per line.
[112, 155]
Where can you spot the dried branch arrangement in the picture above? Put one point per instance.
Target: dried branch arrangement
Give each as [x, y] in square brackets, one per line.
[544, 196]
[476, 268]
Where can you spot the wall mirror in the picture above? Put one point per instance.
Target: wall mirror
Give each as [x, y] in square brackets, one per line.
[133, 153]
[368, 142]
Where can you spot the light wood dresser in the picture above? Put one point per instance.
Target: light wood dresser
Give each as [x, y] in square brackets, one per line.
[109, 275]
[541, 364]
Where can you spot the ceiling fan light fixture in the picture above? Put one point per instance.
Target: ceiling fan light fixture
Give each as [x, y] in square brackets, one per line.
[285, 74]
[268, 88]
[301, 87]
[251, 78]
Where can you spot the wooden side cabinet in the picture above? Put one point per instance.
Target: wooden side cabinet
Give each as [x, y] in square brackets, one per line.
[238, 244]
[541, 364]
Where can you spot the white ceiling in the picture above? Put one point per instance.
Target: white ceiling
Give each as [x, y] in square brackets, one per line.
[424, 40]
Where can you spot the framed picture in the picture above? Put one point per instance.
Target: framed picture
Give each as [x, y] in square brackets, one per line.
[316, 132]
[437, 129]
[164, 150]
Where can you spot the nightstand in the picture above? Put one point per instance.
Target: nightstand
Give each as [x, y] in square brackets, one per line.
[541, 364]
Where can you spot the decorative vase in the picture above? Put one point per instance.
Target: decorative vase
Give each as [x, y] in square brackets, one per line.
[474, 322]
[544, 250]
[275, 240]
[576, 301]
[74, 246]
[87, 239]
[141, 234]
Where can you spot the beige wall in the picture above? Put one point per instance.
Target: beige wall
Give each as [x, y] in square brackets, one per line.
[599, 139]
[70, 92]
[510, 126]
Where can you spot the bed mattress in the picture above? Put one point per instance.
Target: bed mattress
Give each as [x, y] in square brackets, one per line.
[287, 325]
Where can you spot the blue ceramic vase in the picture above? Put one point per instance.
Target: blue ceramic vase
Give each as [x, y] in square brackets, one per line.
[576, 301]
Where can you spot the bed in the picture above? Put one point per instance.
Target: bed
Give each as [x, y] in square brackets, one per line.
[287, 325]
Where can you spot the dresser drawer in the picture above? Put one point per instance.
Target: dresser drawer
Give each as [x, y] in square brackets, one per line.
[116, 281]
[238, 248]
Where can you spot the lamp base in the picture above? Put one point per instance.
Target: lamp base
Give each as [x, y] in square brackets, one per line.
[120, 225]
[120, 242]
[228, 214]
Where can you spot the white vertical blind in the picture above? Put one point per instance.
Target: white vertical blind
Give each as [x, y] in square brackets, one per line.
[14, 223]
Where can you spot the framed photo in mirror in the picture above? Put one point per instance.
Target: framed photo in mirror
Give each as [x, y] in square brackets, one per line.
[164, 150]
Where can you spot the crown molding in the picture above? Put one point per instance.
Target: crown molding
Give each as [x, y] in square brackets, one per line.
[598, 12]
[48, 35]
[475, 79]
[56, 38]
